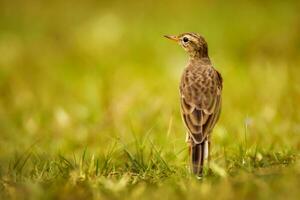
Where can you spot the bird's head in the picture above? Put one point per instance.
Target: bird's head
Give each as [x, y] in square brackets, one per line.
[192, 43]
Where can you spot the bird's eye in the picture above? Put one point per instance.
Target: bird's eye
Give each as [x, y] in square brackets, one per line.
[185, 39]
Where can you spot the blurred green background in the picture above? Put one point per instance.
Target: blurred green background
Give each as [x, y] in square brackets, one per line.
[78, 75]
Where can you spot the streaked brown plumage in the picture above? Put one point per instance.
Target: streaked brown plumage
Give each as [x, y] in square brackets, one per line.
[200, 96]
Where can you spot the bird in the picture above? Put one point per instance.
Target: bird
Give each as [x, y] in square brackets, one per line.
[200, 98]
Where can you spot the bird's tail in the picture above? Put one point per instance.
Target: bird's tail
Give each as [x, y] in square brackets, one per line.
[198, 153]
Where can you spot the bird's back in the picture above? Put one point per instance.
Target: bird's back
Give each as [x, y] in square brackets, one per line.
[200, 90]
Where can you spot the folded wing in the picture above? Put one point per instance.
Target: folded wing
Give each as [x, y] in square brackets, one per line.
[200, 102]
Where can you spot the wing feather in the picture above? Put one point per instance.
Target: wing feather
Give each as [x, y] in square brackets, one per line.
[200, 101]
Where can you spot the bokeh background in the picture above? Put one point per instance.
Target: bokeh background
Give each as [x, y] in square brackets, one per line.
[78, 75]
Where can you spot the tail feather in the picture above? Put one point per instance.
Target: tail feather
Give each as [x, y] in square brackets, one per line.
[198, 154]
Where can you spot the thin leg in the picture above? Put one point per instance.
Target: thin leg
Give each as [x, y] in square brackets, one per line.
[187, 138]
[188, 141]
[190, 158]
[208, 158]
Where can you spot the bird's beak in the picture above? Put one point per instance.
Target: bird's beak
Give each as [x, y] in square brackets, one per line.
[172, 37]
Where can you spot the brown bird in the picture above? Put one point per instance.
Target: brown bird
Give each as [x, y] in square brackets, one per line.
[200, 97]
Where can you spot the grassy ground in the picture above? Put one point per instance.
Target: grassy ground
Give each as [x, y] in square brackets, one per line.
[89, 103]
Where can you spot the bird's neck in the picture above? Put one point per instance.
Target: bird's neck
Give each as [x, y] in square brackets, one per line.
[199, 54]
[199, 59]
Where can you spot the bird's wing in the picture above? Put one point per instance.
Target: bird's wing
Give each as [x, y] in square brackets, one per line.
[200, 101]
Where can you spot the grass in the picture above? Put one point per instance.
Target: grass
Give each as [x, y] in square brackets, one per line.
[89, 100]
[143, 170]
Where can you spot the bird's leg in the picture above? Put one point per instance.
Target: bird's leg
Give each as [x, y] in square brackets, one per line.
[187, 138]
[209, 157]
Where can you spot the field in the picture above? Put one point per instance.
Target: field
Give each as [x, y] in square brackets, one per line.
[89, 100]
